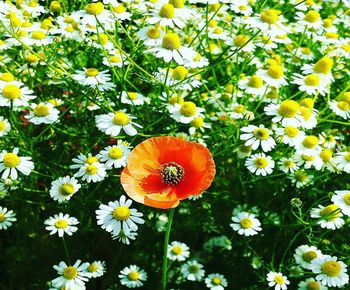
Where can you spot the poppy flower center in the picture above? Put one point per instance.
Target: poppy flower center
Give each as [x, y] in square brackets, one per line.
[171, 173]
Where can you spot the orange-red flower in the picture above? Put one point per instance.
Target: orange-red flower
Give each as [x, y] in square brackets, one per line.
[162, 171]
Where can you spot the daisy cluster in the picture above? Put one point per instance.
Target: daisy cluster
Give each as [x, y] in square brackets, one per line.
[265, 85]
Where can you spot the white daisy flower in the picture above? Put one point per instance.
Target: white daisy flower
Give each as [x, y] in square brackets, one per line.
[112, 123]
[288, 165]
[192, 271]
[61, 224]
[309, 160]
[311, 284]
[342, 161]
[186, 112]
[309, 145]
[43, 113]
[7, 218]
[133, 98]
[341, 198]
[311, 84]
[340, 108]
[178, 251]
[198, 61]
[322, 67]
[330, 271]
[71, 277]
[5, 126]
[114, 156]
[167, 16]
[216, 282]
[286, 113]
[258, 136]
[95, 269]
[300, 178]
[246, 224]
[328, 141]
[100, 80]
[11, 162]
[277, 280]
[118, 215]
[253, 85]
[64, 188]
[94, 172]
[273, 76]
[119, 12]
[125, 237]
[260, 164]
[116, 59]
[311, 19]
[290, 135]
[305, 254]
[132, 276]
[15, 94]
[241, 7]
[38, 38]
[330, 217]
[308, 117]
[151, 35]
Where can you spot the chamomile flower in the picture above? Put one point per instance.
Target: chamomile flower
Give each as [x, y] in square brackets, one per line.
[289, 135]
[342, 161]
[193, 271]
[330, 271]
[216, 282]
[311, 84]
[167, 16]
[114, 156]
[198, 124]
[330, 216]
[186, 112]
[305, 254]
[133, 98]
[43, 113]
[253, 85]
[273, 76]
[16, 94]
[61, 224]
[71, 277]
[64, 188]
[341, 198]
[11, 162]
[151, 35]
[5, 126]
[115, 59]
[7, 218]
[288, 165]
[112, 123]
[246, 224]
[132, 276]
[125, 237]
[277, 280]
[323, 68]
[311, 284]
[311, 19]
[93, 172]
[258, 136]
[95, 269]
[340, 108]
[118, 215]
[309, 145]
[38, 38]
[94, 78]
[178, 251]
[286, 113]
[260, 164]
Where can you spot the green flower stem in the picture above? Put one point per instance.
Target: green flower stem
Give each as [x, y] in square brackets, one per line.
[165, 253]
[66, 250]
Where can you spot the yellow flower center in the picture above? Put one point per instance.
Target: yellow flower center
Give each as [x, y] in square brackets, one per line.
[176, 250]
[32, 58]
[346, 47]
[309, 256]
[326, 155]
[331, 268]
[115, 58]
[70, 273]
[167, 11]
[11, 160]
[69, 29]
[313, 285]
[133, 276]
[255, 82]
[246, 223]
[11, 92]
[197, 122]
[312, 16]
[193, 269]
[218, 30]
[102, 39]
[2, 126]
[347, 157]
[120, 119]
[90, 160]
[21, 33]
[261, 133]
[7, 77]
[332, 35]
[307, 102]
[305, 50]
[176, 99]
[323, 65]
[179, 73]
[46, 24]
[345, 97]
[344, 106]
[91, 72]
[291, 131]
[346, 198]
[216, 281]
[327, 23]
[119, 9]
[66, 189]
[310, 141]
[188, 109]
[239, 109]
[55, 6]
[94, 8]
[275, 71]
[330, 212]
[312, 80]
[300, 176]
[132, 96]
[115, 153]
[61, 224]
[171, 41]
[91, 169]
[270, 16]
[288, 163]
[306, 113]
[198, 57]
[153, 33]
[2, 217]
[41, 110]
[92, 268]
[279, 279]
[177, 3]
[307, 157]
[38, 35]
[288, 109]
[212, 23]
[242, 7]
[121, 213]
[261, 162]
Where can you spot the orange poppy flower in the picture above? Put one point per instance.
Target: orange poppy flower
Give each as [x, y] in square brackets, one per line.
[162, 171]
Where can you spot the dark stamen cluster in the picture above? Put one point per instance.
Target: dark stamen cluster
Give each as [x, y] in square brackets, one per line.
[171, 173]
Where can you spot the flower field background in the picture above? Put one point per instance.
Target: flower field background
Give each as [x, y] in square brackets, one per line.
[113, 113]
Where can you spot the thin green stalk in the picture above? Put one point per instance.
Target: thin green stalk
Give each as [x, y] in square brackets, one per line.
[165, 253]
[66, 250]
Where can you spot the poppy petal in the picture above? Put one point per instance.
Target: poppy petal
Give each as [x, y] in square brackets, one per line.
[163, 201]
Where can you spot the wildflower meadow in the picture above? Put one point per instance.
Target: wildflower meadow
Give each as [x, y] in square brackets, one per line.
[174, 144]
